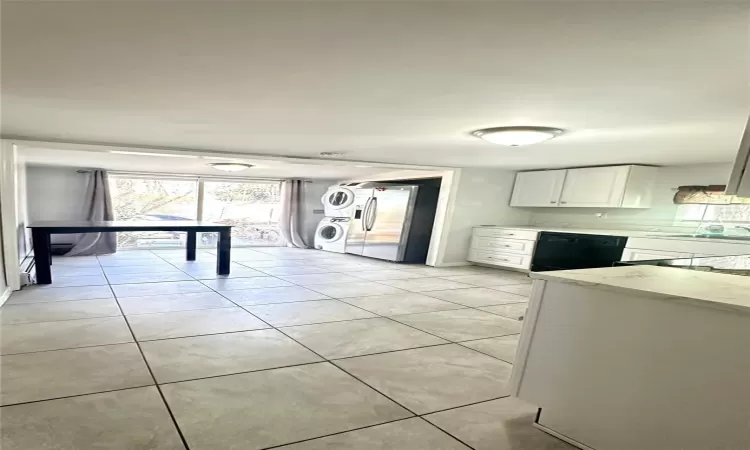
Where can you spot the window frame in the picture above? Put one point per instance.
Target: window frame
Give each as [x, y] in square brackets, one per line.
[200, 181]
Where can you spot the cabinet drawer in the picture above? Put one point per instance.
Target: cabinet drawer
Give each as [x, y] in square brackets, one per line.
[500, 259]
[503, 245]
[510, 233]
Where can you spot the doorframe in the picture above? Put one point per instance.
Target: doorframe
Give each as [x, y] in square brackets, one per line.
[9, 212]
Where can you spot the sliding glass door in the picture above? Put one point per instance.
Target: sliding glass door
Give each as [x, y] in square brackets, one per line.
[252, 208]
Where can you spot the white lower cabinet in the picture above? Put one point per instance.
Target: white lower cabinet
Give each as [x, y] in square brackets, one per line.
[503, 247]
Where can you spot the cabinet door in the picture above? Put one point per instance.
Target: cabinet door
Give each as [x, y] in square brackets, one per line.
[635, 254]
[595, 186]
[540, 188]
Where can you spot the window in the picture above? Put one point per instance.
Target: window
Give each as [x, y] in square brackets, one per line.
[153, 200]
[251, 207]
[730, 215]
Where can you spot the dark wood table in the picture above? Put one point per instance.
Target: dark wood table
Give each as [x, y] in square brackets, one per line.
[41, 231]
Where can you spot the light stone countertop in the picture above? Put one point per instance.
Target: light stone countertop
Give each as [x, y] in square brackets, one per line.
[673, 235]
[729, 292]
[626, 233]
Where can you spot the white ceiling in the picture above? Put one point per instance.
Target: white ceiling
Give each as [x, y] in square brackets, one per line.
[404, 82]
[197, 165]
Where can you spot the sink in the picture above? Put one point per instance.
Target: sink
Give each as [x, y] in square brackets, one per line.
[712, 236]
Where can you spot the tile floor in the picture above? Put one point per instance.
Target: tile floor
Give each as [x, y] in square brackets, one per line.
[296, 349]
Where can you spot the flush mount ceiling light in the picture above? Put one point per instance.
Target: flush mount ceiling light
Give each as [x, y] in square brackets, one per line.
[517, 136]
[230, 167]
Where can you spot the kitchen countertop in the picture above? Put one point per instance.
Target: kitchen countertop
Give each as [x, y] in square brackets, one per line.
[729, 292]
[626, 233]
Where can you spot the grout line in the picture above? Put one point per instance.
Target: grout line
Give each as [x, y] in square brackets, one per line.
[341, 432]
[151, 372]
[345, 371]
[330, 362]
[77, 395]
[66, 348]
[242, 372]
[464, 406]
[268, 327]
[486, 354]
[445, 432]
[178, 310]
[390, 351]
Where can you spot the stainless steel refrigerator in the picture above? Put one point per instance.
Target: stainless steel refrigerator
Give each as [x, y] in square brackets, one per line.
[392, 222]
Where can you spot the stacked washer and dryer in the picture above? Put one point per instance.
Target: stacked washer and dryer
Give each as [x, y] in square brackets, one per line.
[384, 220]
[333, 229]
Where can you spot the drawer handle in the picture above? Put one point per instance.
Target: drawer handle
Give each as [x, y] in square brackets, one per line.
[553, 202]
[499, 259]
[564, 203]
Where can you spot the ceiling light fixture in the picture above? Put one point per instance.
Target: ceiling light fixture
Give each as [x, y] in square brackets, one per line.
[363, 167]
[167, 155]
[230, 167]
[517, 136]
[221, 158]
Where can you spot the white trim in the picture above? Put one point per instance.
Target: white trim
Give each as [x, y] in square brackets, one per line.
[443, 218]
[9, 213]
[5, 295]
[527, 334]
[455, 264]
[561, 436]
[27, 142]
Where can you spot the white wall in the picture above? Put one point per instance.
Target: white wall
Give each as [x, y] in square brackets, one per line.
[312, 208]
[55, 193]
[660, 216]
[481, 197]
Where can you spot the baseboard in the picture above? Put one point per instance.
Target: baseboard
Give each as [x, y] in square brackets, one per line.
[5, 295]
[455, 264]
[561, 436]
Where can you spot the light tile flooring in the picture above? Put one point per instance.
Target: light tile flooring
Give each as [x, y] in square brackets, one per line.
[296, 349]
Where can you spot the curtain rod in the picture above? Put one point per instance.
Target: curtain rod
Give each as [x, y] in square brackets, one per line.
[187, 176]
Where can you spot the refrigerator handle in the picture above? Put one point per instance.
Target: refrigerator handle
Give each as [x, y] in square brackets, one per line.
[373, 213]
[364, 214]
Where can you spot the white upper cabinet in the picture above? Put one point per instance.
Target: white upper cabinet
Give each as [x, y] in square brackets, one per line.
[589, 187]
[542, 188]
[594, 187]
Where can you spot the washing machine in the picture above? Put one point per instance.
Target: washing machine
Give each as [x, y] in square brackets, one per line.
[331, 234]
[338, 201]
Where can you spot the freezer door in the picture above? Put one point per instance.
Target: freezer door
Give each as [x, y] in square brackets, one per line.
[387, 221]
[355, 239]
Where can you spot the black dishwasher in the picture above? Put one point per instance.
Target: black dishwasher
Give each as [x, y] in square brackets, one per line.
[563, 251]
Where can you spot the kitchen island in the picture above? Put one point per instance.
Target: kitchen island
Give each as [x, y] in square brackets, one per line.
[638, 357]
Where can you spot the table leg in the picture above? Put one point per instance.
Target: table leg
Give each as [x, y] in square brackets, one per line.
[191, 243]
[42, 255]
[222, 254]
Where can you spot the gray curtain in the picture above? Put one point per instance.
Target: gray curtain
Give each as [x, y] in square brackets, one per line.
[289, 221]
[97, 206]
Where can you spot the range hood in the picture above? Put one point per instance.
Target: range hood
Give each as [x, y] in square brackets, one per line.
[739, 181]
